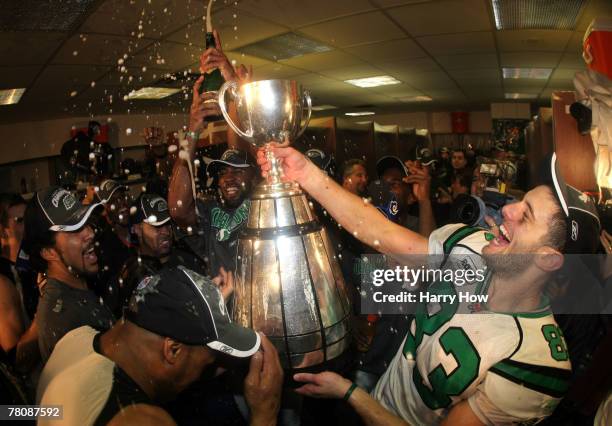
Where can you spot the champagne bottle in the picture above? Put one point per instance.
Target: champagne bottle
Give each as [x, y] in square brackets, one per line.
[213, 79]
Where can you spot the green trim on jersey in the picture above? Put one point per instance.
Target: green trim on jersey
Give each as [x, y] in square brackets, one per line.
[457, 236]
[548, 380]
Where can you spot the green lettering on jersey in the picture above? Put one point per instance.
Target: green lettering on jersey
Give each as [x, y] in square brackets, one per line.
[454, 341]
[226, 223]
[554, 336]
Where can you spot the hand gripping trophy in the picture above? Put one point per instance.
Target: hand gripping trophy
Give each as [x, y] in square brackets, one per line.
[288, 281]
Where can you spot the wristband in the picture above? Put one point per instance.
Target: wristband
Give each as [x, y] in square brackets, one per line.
[349, 392]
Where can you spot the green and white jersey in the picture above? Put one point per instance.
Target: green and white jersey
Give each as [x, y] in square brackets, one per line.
[510, 368]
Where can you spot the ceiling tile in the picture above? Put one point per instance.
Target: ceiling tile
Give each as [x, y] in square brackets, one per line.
[273, 71]
[134, 17]
[352, 72]
[246, 60]
[524, 89]
[456, 44]
[138, 78]
[429, 81]
[353, 30]
[515, 85]
[563, 74]
[28, 49]
[166, 55]
[324, 61]
[392, 3]
[572, 60]
[530, 59]
[477, 77]
[443, 17]
[296, 13]
[18, 77]
[484, 93]
[69, 75]
[233, 32]
[532, 40]
[445, 94]
[457, 62]
[561, 85]
[396, 49]
[412, 66]
[98, 49]
[312, 80]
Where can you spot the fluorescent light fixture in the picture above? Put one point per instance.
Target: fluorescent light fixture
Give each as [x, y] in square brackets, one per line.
[359, 113]
[535, 73]
[416, 99]
[323, 107]
[380, 80]
[152, 93]
[521, 96]
[537, 15]
[10, 96]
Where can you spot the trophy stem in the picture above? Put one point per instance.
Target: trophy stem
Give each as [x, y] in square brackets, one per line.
[276, 171]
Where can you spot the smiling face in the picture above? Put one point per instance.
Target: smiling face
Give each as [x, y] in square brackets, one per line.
[528, 225]
[234, 184]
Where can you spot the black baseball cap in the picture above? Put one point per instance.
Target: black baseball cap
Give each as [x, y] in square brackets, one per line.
[383, 199]
[61, 211]
[232, 158]
[583, 224]
[151, 209]
[390, 162]
[187, 307]
[107, 188]
[425, 156]
[319, 158]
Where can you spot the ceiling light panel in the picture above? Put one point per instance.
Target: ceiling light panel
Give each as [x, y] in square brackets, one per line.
[536, 14]
[534, 73]
[381, 80]
[152, 93]
[284, 46]
[416, 99]
[323, 107]
[359, 113]
[520, 96]
[10, 96]
[36, 15]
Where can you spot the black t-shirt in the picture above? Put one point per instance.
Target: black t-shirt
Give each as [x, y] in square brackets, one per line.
[63, 308]
[217, 233]
[112, 254]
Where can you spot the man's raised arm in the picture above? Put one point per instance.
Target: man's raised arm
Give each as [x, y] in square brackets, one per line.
[356, 215]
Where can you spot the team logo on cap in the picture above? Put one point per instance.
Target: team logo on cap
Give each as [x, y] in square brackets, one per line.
[574, 230]
[394, 207]
[159, 204]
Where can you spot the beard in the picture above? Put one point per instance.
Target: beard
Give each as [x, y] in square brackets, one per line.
[508, 265]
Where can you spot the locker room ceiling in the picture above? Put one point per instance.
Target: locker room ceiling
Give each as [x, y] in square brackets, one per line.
[68, 58]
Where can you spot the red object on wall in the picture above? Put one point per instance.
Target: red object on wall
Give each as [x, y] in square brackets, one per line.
[100, 138]
[460, 122]
[597, 46]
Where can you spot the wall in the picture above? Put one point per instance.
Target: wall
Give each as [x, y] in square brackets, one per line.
[23, 141]
[435, 122]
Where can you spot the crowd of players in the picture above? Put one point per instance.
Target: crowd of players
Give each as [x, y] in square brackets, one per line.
[115, 306]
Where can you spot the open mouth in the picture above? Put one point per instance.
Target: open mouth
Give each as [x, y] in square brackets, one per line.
[90, 254]
[502, 236]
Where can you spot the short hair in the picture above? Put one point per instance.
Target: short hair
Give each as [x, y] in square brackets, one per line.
[464, 179]
[461, 151]
[37, 235]
[8, 200]
[557, 228]
[348, 166]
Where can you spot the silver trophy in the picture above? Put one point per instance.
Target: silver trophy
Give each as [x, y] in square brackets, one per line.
[288, 282]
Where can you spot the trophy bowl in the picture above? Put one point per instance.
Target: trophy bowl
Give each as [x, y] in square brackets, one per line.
[268, 110]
